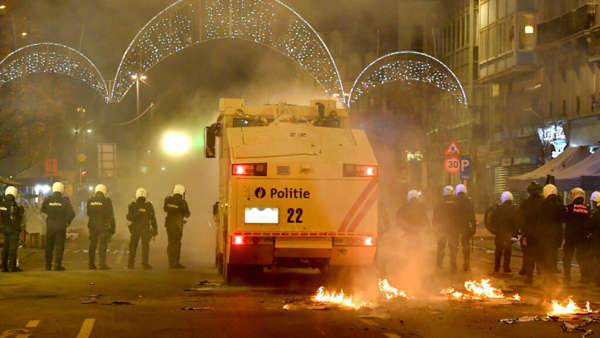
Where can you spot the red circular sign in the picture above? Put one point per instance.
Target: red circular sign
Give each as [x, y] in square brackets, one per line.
[452, 165]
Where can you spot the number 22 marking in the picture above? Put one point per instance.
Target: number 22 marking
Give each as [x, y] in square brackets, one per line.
[291, 213]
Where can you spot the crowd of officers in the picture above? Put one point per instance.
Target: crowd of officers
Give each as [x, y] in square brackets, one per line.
[542, 225]
[59, 211]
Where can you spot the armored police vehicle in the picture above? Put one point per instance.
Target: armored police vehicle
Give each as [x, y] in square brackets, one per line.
[297, 187]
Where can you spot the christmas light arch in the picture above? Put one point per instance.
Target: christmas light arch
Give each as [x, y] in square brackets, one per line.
[52, 58]
[186, 23]
[407, 66]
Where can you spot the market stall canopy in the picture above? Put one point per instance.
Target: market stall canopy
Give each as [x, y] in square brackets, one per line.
[585, 174]
[567, 159]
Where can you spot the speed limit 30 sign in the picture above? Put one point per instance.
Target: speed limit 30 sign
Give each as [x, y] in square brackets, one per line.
[452, 165]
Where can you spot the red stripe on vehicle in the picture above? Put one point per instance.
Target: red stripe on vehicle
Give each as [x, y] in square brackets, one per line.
[359, 201]
[363, 213]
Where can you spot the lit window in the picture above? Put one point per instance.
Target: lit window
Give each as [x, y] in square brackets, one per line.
[529, 29]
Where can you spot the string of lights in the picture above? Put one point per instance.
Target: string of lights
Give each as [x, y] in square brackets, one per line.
[266, 22]
[411, 67]
[51, 58]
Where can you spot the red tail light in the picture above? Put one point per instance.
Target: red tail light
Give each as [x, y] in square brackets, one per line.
[249, 169]
[357, 170]
[238, 240]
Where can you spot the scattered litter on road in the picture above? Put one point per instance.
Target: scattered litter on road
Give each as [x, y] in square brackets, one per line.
[120, 302]
[91, 299]
[208, 284]
[202, 308]
[587, 333]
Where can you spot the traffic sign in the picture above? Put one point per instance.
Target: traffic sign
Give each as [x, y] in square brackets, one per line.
[453, 149]
[452, 165]
[465, 168]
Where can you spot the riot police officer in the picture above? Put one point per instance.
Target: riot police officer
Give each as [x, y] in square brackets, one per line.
[577, 235]
[60, 214]
[11, 219]
[101, 225]
[465, 223]
[444, 221]
[504, 225]
[177, 210]
[530, 228]
[143, 226]
[552, 215]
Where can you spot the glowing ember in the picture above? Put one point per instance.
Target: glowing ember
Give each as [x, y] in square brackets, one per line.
[476, 291]
[324, 296]
[389, 291]
[570, 309]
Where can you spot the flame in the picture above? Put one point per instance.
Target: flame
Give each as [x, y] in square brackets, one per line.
[477, 290]
[516, 297]
[569, 309]
[332, 297]
[389, 291]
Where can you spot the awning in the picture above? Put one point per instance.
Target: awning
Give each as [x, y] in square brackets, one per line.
[568, 158]
[585, 174]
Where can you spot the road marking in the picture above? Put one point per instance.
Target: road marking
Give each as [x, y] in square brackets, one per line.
[32, 323]
[392, 335]
[86, 328]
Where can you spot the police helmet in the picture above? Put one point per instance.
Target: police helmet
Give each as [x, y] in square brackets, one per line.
[461, 188]
[179, 189]
[413, 194]
[549, 190]
[506, 196]
[141, 192]
[448, 190]
[11, 191]
[597, 199]
[58, 187]
[577, 193]
[593, 196]
[101, 188]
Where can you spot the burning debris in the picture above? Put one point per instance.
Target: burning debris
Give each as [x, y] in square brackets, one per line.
[324, 298]
[478, 291]
[571, 317]
[570, 309]
[337, 298]
[389, 291]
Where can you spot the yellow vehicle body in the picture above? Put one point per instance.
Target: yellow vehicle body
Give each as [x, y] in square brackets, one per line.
[294, 193]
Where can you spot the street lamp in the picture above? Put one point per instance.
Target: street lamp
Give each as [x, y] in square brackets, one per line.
[2, 6]
[175, 143]
[137, 78]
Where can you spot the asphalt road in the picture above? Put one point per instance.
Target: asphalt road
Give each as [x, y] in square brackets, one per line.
[123, 303]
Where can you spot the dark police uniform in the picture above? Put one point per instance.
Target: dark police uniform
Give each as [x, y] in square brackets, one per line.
[143, 226]
[177, 209]
[552, 216]
[577, 238]
[60, 215]
[505, 226]
[444, 219]
[101, 225]
[465, 225]
[11, 219]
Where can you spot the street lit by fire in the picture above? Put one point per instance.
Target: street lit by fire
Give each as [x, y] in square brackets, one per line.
[569, 309]
[477, 291]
